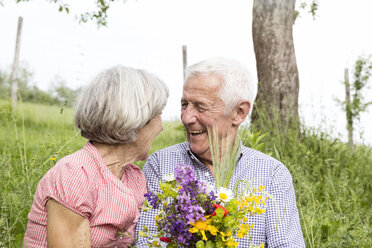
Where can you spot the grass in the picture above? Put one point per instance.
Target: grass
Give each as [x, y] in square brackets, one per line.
[332, 183]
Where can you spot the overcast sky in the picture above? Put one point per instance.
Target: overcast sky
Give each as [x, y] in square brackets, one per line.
[149, 34]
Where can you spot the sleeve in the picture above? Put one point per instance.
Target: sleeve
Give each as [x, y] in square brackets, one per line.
[283, 227]
[151, 171]
[70, 185]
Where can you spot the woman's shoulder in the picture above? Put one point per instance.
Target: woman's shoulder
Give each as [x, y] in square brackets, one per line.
[86, 159]
[74, 170]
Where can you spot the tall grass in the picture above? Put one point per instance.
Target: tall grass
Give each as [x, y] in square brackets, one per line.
[333, 184]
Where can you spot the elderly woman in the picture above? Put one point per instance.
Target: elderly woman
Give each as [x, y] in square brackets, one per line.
[92, 198]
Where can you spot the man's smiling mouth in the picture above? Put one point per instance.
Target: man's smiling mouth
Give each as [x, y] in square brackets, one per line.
[197, 132]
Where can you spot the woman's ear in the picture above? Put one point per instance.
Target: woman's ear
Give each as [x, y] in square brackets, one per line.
[241, 111]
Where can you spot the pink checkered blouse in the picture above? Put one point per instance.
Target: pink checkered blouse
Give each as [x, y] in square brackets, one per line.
[83, 183]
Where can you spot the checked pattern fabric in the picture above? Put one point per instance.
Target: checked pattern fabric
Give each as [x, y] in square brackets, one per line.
[273, 230]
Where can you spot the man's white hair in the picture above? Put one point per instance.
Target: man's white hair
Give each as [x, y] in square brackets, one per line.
[237, 84]
[117, 102]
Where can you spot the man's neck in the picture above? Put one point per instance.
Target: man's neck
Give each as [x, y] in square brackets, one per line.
[208, 163]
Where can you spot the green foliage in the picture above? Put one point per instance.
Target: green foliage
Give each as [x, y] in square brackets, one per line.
[310, 5]
[252, 140]
[332, 185]
[63, 94]
[356, 105]
[60, 94]
[30, 136]
[362, 74]
[99, 15]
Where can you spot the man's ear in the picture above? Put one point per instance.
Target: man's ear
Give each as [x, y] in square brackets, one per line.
[241, 111]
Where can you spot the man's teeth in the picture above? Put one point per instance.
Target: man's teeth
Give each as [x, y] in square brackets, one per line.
[196, 132]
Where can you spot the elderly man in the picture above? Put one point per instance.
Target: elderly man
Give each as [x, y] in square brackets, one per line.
[219, 93]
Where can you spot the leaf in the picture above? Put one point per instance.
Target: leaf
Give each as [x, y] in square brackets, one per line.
[200, 244]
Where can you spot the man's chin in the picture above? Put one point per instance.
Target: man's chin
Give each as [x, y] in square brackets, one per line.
[197, 149]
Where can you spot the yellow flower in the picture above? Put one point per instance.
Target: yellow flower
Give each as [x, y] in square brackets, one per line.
[244, 228]
[250, 199]
[157, 217]
[261, 188]
[232, 243]
[258, 199]
[223, 235]
[259, 211]
[203, 226]
[245, 219]
[52, 158]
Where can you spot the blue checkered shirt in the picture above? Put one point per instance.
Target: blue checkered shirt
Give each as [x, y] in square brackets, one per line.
[252, 165]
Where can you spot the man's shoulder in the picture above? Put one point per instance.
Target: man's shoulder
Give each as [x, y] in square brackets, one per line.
[252, 154]
[261, 162]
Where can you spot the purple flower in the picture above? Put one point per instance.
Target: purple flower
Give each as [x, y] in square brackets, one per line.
[184, 174]
[153, 199]
[190, 205]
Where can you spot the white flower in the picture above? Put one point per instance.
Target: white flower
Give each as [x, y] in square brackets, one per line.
[224, 195]
[157, 243]
[169, 178]
[210, 188]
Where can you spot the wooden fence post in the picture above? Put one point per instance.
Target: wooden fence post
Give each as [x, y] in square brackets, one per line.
[14, 78]
[184, 59]
[349, 116]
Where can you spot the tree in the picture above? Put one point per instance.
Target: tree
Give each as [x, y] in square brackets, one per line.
[354, 103]
[276, 64]
[100, 15]
[278, 87]
[62, 93]
[4, 85]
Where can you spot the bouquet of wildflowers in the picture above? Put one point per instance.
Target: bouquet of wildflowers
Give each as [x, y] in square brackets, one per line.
[194, 213]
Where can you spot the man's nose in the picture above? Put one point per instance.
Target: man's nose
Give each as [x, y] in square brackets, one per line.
[188, 115]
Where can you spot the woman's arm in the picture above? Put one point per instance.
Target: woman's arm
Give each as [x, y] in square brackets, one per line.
[66, 228]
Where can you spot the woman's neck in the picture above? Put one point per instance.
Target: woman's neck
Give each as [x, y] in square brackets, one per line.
[117, 156]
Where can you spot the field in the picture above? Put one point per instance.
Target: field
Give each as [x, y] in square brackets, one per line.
[332, 183]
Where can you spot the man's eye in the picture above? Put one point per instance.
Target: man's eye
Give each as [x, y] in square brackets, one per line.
[200, 108]
[184, 105]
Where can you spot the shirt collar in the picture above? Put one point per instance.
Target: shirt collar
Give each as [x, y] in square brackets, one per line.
[239, 154]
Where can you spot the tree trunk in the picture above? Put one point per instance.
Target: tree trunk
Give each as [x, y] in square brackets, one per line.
[278, 87]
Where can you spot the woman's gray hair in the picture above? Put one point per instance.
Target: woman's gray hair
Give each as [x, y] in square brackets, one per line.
[117, 102]
[237, 84]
